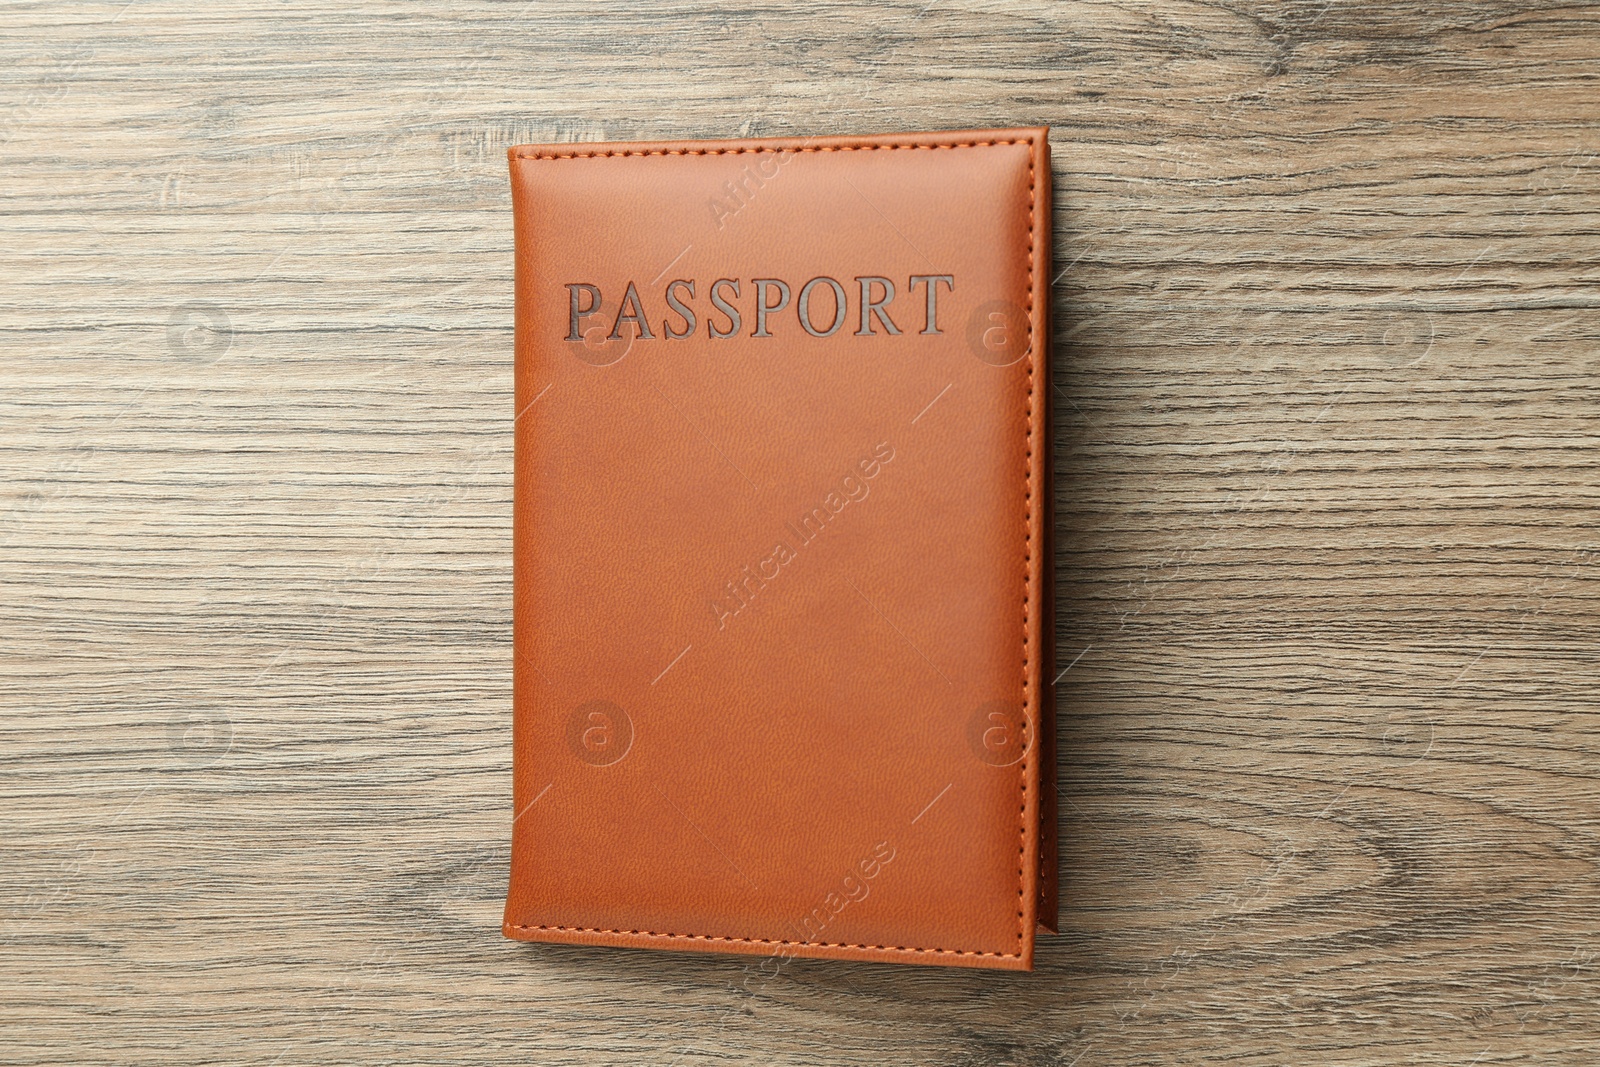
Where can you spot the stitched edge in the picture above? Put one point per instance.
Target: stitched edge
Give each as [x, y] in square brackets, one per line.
[536, 154]
[1027, 575]
[770, 941]
[1027, 551]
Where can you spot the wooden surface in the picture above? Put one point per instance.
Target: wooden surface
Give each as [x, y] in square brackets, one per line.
[1328, 436]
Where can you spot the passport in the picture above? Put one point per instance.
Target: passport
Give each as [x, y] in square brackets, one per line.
[781, 547]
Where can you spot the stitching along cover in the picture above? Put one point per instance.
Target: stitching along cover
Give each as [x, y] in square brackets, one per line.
[781, 547]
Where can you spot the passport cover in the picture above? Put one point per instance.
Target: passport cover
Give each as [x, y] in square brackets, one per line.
[780, 547]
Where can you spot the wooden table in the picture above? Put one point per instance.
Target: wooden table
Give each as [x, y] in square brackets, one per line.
[1328, 436]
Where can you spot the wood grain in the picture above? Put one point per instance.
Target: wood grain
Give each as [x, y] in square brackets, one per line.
[1328, 368]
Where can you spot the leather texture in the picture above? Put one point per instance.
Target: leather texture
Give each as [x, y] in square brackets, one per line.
[780, 557]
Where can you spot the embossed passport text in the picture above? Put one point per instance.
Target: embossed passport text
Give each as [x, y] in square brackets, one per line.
[781, 570]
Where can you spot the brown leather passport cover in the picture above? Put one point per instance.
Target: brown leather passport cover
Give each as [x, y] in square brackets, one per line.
[780, 547]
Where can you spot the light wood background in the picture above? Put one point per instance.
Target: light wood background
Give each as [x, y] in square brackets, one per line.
[1328, 436]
